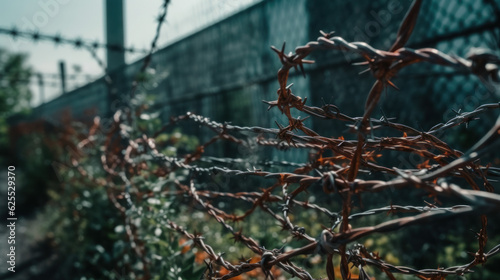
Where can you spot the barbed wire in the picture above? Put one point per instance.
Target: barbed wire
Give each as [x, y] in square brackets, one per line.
[341, 238]
[147, 60]
[334, 169]
[78, 43]
[35, 82]
[73, 76]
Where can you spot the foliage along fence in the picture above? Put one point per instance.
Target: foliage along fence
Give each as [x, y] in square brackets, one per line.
[141, 175]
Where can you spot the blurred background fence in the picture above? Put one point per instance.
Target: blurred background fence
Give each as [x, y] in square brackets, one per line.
[224, 71]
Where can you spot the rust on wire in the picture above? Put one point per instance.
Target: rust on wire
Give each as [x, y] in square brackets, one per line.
[124, 156]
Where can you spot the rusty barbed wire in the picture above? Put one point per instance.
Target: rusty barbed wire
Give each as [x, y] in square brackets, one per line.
[284, 178]
[304, 179]
[36, 36]
[77, 43]
[337, 167]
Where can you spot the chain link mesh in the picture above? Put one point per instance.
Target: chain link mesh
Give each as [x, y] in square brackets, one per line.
[232, 59]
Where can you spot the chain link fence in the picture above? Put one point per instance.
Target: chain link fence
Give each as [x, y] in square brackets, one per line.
[230, 65]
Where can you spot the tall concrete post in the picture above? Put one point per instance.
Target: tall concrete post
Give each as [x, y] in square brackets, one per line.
[115, 34]
[115, 56]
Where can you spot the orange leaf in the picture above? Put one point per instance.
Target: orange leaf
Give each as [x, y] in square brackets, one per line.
[184, 247]
[200, 256]
[275, 271]
[223, 271]
[423, 165]
[255, 259]
[254, 273]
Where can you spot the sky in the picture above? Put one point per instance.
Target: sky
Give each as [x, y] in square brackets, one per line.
[84, 19]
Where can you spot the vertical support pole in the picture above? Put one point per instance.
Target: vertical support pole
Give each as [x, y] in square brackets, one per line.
[115, 34]
[41, 87]
[62, 74]
[115, 55]
[42, 93]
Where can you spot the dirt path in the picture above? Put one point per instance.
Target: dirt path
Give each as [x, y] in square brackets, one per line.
[29, 262]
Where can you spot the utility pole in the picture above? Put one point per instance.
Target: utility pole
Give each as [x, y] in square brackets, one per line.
[62, 73]
[42, 92]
